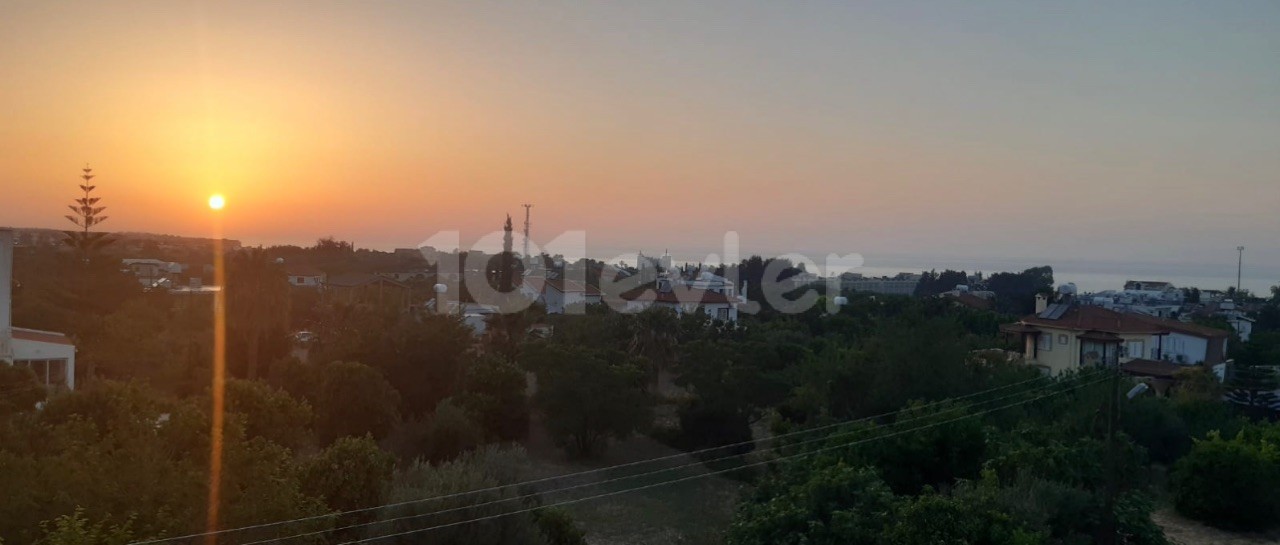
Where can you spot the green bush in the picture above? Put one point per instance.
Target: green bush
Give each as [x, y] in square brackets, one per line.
[1154, 423]
[451, 432]
[352, 473]
[1229, 483]
[557, 526]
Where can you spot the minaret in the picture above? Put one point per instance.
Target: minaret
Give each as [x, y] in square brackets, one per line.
[526, 230]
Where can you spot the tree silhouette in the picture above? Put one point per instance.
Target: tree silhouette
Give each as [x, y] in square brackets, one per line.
[257, 301]
[654, 333]
[86, 214]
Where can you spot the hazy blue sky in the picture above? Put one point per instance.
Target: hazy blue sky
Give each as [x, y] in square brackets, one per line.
[1022, 130]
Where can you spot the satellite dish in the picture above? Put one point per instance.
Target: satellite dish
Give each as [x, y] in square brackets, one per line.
[279, 261]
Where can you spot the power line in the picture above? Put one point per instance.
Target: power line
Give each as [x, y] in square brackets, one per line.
[576, 474]
[581, 473]
[637, 475]
[683, 479]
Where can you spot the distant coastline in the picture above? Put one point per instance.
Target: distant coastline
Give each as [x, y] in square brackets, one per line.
[1093, 275]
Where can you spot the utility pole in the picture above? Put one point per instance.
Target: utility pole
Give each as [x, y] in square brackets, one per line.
[526, 230]
[1239, 268]
[1109, 527]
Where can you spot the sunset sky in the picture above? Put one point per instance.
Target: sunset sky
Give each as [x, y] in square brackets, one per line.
[1093, 131]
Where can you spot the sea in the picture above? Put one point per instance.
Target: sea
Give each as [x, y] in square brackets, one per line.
[1091, 276]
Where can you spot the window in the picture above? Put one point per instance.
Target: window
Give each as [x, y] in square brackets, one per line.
[1136, 349]
[48, 372]
[1045, 342]
[1063, 339]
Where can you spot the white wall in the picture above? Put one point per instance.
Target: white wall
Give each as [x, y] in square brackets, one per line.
[305, 281]
[6, 280]
[35, 350]
[1193, 349]
[574, 298]
[553, 299]
[6, 294]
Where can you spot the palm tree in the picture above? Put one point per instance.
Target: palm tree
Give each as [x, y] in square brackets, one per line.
[257, 301]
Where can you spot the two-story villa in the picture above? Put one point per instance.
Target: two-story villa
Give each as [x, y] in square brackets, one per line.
[1066, 336]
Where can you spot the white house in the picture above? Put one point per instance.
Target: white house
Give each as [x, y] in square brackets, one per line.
[1236, 317]
[1067, 336]
[1153, 290]
[555, 294]
[51, 355]
[681, 299]
[150, 272]
[303, 276]
[708, 281]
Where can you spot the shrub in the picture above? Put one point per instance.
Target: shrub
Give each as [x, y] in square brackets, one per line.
[451, 432]
[1229, 483]
[352, 473]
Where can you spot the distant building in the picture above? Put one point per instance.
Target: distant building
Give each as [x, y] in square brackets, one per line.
[708, 281]
[366, 289]
[51, 355]
[1237, 318]
[408, 275]
[884, 286]
[802, 278]
[304, 276]
[556, 294]
[682, 300]
[151, 272]
[1152, 298]
[474, 315]
[1153, 290]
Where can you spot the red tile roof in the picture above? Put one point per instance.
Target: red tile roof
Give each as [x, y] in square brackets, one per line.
[1151, 368]
[678, 295]
[41, 336]
[1195, 330]
[1087, 318]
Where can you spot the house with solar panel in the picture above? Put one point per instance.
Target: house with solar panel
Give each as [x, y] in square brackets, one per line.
[1066, 336]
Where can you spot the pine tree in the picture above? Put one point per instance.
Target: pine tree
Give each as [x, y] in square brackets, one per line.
[86, 215]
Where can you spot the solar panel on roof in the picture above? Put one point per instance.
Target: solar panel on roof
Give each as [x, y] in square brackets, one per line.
[1045, 313]
[1054, 311]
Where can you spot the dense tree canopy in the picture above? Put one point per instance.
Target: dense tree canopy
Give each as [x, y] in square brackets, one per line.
[589, 398]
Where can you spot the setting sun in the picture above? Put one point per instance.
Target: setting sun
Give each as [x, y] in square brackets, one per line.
[216, 202]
